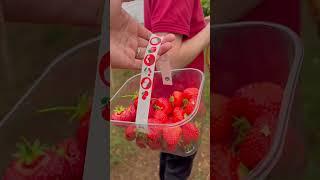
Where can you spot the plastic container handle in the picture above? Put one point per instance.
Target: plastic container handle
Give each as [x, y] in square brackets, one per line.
[146, 82]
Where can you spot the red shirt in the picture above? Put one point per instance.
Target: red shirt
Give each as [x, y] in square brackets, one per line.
[183, 17]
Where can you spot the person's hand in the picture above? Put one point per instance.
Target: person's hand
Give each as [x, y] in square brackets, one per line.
[128, 39]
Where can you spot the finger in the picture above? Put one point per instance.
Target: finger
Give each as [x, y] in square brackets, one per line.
[168, 38]
[142, 42]
[143, 32]
[141, 54]
[165, 48]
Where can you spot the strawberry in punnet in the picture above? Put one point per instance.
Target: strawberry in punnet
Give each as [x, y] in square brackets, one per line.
[176, 99]
[189, 105]
[225, 165]
[161, 116]
[75, 157]
[163, 104]
[255, 99]
[190, 93]
[34, 161]
[171, 136]
[124, 114]
[190, 133]
[140, 141]
[154, 134]
[178, 114]
[130, 133]
[152, 108]
[154, 144]
[222, 130]
[256, 144]
[134, 98]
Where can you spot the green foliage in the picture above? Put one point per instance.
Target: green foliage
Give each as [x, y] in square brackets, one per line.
[206, 7]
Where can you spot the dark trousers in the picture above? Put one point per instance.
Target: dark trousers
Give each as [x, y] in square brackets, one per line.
[174, 167]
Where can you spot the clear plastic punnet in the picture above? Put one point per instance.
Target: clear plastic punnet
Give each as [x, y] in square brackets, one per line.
[252, 52]
[181, 79]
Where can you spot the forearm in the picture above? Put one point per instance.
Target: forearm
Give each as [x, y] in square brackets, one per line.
[225, 11]
[191, 48]
[80, 12]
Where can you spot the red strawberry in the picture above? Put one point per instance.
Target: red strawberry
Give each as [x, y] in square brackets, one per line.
[135, 102]
[190, 133]
[176, 98]
[152, 108]
[178, 114]
[163, 104]
[222, 130]
[190, 105]
[124, 114]
[154, 144]
[171, 136]
[224, 164]
[255, 99]
[161, 116]
[256, 144]
[190, 93]
[154, 130]
[75, 157]
[140, 142]
[130, 133]
[118, 111]
[34, 162]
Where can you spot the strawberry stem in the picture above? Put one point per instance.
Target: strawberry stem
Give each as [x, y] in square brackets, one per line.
[242, 126]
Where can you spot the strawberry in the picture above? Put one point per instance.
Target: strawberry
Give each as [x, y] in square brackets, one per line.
[154, 130]
[178, 114]
[176, 98]
[134, 98]
[152, 107]
[140, 141]
[154, 135]
[124, 114]
[255, 99]
[190, 93]
[75, 157]
[154, 144]
[256, 144]
[163, 104]
[190, 133]
[130, 133]
[222, 130]
[171, 136]
[225, 165]
[34, 161]
[189, 105]
[161, 116]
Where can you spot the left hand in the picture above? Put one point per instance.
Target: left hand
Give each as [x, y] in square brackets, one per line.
[126, 36]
